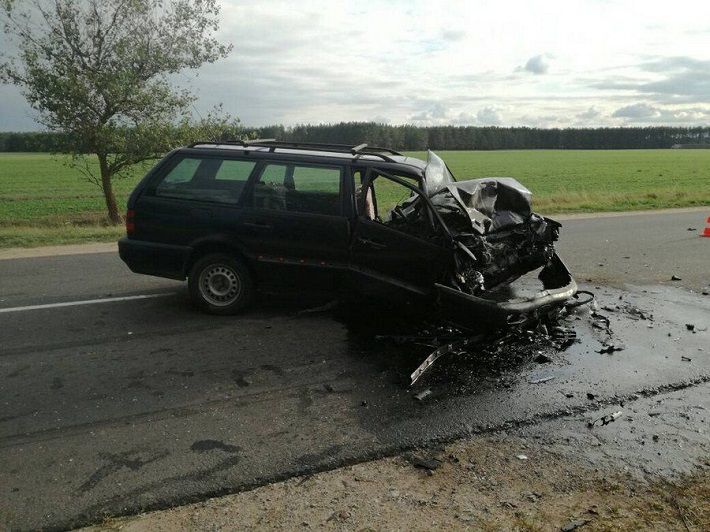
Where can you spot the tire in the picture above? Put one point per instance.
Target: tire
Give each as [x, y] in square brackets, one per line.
[220, 284]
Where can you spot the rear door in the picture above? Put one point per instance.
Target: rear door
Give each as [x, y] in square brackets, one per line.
[294, 223]
[397, 241]
[193, 198]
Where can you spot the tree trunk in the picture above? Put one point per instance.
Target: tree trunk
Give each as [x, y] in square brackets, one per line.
[107, 187]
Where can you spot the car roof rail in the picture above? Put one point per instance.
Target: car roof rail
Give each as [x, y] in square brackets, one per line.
[273, 145]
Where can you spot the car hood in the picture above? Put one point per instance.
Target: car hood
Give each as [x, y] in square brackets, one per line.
[490, 203]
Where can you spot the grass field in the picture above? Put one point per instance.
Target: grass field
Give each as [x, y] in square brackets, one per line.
[42, 201]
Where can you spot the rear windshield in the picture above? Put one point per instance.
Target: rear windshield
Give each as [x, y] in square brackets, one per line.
[206, 179]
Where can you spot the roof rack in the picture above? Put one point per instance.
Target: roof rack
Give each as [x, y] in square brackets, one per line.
[273, 144]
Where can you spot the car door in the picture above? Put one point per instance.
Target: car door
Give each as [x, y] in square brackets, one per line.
[294, 224]
[405, 250]
[193, 198]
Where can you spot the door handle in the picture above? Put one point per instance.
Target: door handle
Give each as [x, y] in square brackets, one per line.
[257, 225]
[374, 244]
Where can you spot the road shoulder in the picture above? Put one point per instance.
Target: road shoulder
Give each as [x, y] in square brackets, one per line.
[53, 251]
[639, 471]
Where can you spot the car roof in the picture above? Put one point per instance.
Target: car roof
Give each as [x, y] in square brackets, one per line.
[388, 159]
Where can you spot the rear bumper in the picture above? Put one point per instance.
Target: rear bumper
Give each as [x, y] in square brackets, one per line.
[470, 310]
[151, 258]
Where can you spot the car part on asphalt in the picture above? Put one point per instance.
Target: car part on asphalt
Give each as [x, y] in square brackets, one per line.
[605, 419]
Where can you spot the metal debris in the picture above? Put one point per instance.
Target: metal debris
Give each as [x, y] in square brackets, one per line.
[423, 395]
[422, 462]
[611, 348]
[541, 380]
[322, 308]
[605, 419]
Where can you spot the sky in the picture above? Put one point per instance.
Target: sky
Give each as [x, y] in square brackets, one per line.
[529, 63]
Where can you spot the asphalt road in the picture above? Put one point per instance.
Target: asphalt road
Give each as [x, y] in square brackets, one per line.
[132, 404]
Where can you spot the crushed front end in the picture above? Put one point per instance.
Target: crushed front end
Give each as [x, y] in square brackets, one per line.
[497, 240]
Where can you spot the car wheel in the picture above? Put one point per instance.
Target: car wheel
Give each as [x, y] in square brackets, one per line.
[220, 284]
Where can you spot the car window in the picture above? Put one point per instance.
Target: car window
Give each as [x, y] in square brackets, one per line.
[394, 205]
[206, 179]
[382, 197]
[299, 188]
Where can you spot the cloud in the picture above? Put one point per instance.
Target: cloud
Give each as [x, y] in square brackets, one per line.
[644, 113]
[538, 64]
[489, 116]
[453, 35]
[438, 112]
[589, 114]
[636, 111]
[677, 80]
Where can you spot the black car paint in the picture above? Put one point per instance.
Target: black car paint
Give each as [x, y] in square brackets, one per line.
[282, 249]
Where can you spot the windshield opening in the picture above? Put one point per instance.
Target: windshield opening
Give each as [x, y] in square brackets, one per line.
[436, 173]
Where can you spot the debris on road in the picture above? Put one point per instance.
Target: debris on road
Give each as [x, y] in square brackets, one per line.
[541, 380]
[521, 457]
[423, 462]
[422, 395]
[611, 348]
[605, 419]
[675, 278]
[690, 327]
[525, 339]
[686, 359]
[574, 525]
[331, 305]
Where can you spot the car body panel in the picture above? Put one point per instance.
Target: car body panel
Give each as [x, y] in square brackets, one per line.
[479, 233]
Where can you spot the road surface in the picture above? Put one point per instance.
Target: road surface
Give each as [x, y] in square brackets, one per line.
[134, 402]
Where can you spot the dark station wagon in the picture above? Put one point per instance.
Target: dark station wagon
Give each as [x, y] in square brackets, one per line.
[236, 216]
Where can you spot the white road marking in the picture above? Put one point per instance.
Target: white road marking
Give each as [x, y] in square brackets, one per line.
[85, 302]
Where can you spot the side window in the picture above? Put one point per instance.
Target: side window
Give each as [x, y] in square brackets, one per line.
[299, 188]
[394, 205]
[206, 179]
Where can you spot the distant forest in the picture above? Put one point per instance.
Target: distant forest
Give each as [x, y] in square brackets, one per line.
[410, 137]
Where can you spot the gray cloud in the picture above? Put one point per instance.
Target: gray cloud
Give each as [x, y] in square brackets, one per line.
[436, 113]
[683, 80]
[489, 116]
[644, 113]
[636, 111]
[537, 64]
[589, 114]
[453, 35]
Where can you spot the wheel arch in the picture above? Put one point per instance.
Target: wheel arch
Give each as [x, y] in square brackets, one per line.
[217, 245]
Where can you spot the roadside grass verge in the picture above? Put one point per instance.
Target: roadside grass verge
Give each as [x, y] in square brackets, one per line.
[29, 237]
[45, 202]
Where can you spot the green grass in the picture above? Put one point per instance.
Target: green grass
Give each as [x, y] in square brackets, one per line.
[565, 181]
[43, 201]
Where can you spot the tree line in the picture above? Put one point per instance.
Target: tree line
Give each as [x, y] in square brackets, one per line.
[411, 137]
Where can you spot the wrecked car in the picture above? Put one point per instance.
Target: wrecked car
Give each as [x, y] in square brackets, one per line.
[236, 217]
